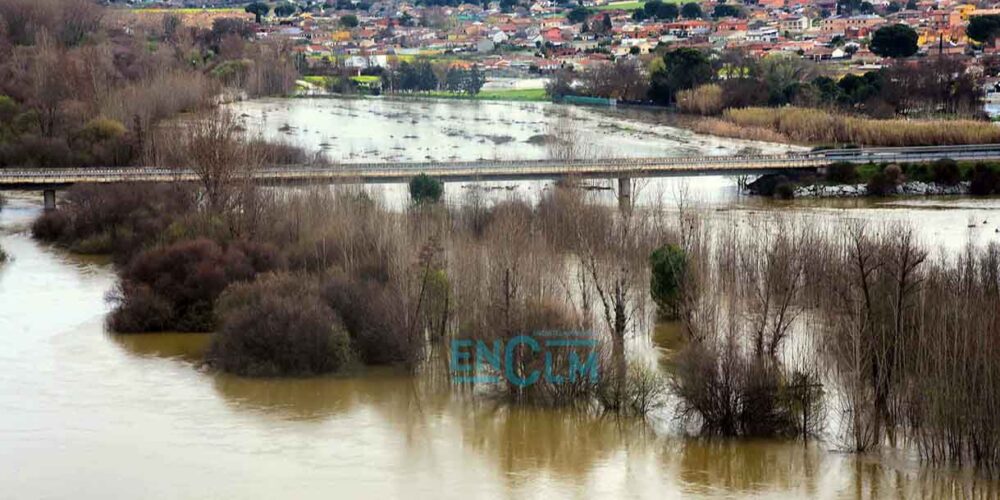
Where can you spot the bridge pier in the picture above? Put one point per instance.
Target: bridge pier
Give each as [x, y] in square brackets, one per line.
[624, 193]
[49, 195]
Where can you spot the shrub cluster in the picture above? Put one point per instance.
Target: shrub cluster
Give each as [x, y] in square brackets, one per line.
[842, 173]
[885, 182]
[277, 326]
[174, 287]
[984, 180]
[118, 219]
[946, 171]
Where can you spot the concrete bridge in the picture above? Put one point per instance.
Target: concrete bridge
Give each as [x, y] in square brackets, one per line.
[623, 169]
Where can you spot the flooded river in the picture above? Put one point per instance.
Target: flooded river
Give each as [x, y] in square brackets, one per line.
[85, 413]
[386, 129]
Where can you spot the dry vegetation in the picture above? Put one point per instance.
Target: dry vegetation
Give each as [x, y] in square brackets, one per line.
[77, 88]
[723, 128]
[701, 100]
[816, 126]
[785, 318]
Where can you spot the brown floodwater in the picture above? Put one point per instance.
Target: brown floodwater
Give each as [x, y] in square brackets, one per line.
[87, 414]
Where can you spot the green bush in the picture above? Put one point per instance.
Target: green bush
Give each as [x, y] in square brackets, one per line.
[767, 185]
[917, 172]
[667, 266]
[985, 180]
[425, 189]
[233, 71]
[945, 171]
[880, 185]
[842, 173]
[96, 244]
[8, 109]
[101, 129]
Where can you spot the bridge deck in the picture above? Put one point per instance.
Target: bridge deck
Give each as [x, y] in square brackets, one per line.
[509, 169]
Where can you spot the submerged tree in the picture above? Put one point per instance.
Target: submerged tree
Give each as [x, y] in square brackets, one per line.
[425, 189]
[667, 274]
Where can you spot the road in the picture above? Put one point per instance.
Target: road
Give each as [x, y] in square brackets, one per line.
[47, 178]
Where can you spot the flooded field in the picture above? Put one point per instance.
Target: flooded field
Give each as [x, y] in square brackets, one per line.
[386, 129]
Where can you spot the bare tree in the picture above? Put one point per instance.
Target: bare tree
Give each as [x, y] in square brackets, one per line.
[224, 161]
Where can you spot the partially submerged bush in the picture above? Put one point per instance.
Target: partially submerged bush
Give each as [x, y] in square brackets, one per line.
[120, 219]
[180, 283]
[424, 188]
[375, 319]
[767, 185]
[277, 326]
[730, 391]
[643, 391]
[667, 266]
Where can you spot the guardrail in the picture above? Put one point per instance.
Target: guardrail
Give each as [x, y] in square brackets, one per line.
[486, 169]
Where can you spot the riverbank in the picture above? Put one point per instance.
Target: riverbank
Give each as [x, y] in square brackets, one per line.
[916, 188]
[847, 180]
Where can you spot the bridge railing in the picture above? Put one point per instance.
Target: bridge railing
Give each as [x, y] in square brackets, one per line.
[583, 166]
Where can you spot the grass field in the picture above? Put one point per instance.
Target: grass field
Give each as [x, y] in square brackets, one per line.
[497, 95]
[622, 5]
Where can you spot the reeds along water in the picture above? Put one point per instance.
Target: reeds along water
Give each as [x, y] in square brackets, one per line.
[820, 126]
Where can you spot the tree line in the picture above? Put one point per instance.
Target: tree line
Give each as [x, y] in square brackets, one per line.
[424, 76]
[710, 83]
